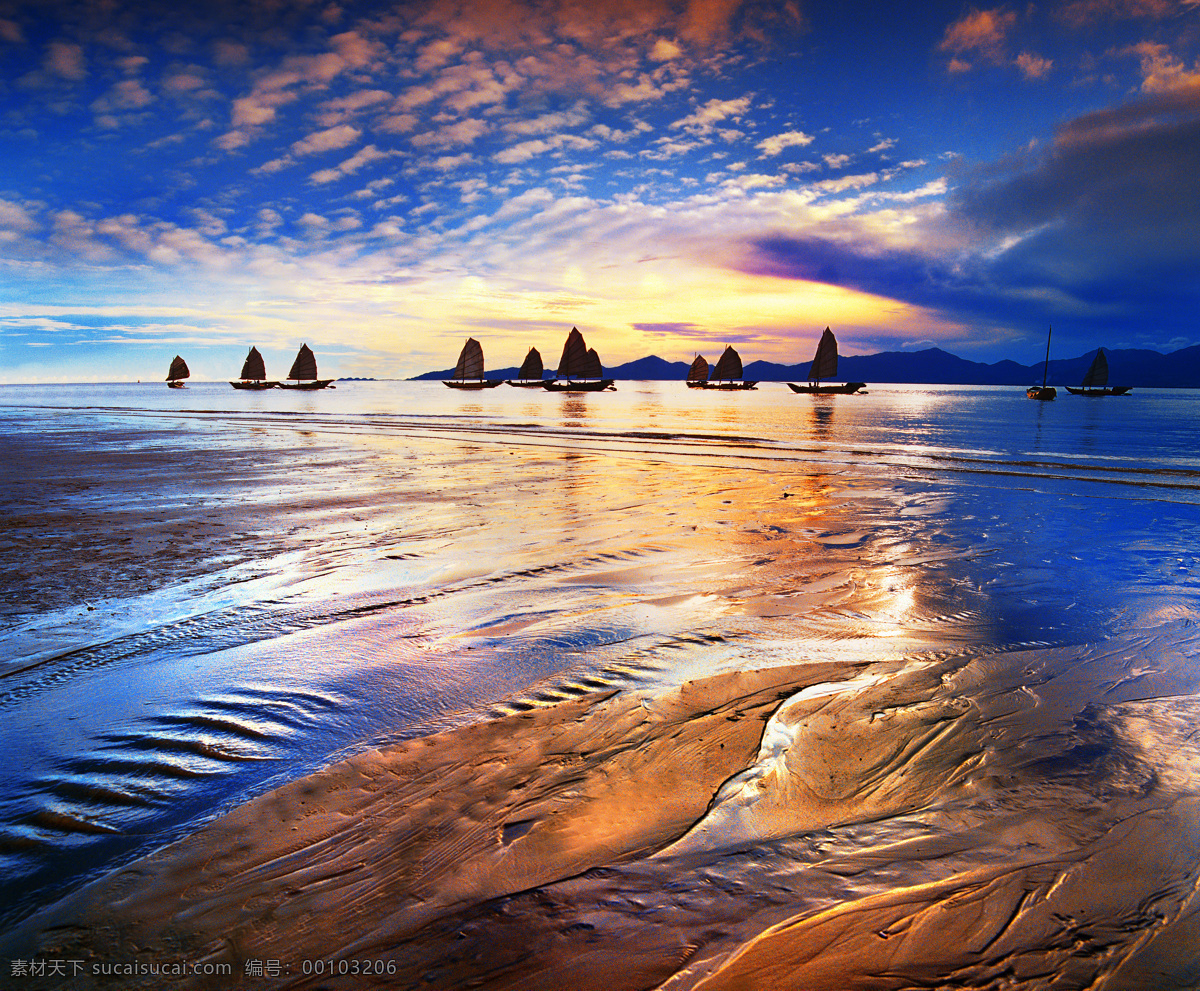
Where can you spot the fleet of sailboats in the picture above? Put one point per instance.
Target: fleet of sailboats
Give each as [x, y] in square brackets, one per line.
[177, 373]
[254, 373]
[824, 366]
[303, 374]
[468, 373]
[727, 373]
[579, 369]
[1095, 380]
[529, 375]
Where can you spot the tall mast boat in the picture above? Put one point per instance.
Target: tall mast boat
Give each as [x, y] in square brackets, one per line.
[254, 373]
[579, 368]
[824, 366]
[698, 374]
[303, 374]
[1095, 382]
[1043, 391]
[177, 373]
[727, 373]
[468, 373]
[529, 375]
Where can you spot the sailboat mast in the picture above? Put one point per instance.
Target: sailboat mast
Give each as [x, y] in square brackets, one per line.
[1046, 366]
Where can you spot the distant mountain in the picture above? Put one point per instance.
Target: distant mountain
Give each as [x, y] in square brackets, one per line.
[933, 366]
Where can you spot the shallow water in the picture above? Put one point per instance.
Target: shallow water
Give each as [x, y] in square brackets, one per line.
[207, 593]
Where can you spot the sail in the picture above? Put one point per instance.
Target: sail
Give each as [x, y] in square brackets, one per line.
[825, 362]
[470, 361]
[531, 367]
[699, 370]
[179, 370]
[572, 363]
[253, 367]
[729, 365]
[1097, 375]
[305, 365]
[592, 368]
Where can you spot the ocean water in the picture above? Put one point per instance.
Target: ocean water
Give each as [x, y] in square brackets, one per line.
[209, 593]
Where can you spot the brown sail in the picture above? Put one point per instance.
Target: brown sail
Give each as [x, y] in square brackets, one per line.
[574, 355]
[825, 362]
[531, 367]
[254, 367]
[1097, 375]
[698, 374]
[178, 370]
[729, 366]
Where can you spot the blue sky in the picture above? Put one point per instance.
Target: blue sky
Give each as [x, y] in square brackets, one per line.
[383, 180]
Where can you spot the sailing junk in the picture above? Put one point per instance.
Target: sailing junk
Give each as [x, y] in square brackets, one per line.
[304, 372]
[727, 373]
[254, 373]
[1043, 391]
[1095, 382]
[177, 373]
[824, 366]
[468, 373]
[529, 375]
[698, 374]
[579, 369]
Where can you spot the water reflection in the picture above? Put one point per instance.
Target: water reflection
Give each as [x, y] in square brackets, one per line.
[573, 409]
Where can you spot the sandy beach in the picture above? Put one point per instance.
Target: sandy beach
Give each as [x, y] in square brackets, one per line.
[738, 712]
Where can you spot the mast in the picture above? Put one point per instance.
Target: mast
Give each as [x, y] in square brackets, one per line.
[1046, 366]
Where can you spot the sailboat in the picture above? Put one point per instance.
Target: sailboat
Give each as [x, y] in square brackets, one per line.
[1095, 382]
[824, 366]
[579, 369]
[468, 373]
[254, 373]
[727, 373]
[698, 374]
[529, 375]
[1043, 391]
[177, 373]
[304, 372]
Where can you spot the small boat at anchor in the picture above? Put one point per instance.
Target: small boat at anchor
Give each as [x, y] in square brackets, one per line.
[303, 374]
[1043, 392]
[529, 375]
[254, 373]
[697, 375]
[579, 369]
[727, 373]
[1095, 382]
[177, 373]
[824, 366]
[468, 373]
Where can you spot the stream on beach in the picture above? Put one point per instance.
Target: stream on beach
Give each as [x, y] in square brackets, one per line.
[654, 688]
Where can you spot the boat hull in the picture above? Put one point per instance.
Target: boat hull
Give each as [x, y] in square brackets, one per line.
[525, 383]
[1118, 390]
[731, 386]
[592, 385]
[255, 385]
[307, 386]
[844, 389]
[1042, 392]
[696, 385]
[477, 384]
[174, 385]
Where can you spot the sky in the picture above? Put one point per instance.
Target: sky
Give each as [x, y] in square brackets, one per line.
[383, 180]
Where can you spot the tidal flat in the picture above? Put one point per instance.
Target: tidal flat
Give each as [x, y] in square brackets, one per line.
[648, 689]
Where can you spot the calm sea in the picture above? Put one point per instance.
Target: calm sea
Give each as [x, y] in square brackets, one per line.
[208, 592]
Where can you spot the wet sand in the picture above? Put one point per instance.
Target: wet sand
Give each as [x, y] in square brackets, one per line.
[699, 714]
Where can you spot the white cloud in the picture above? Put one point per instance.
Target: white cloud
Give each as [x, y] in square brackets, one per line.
[361, 158]
[789, 139]
[705, 118]
[331, 139]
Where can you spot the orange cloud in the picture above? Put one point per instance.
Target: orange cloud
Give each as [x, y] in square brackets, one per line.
[982, 31]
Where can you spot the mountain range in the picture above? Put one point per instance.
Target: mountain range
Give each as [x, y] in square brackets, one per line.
[933, 366]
